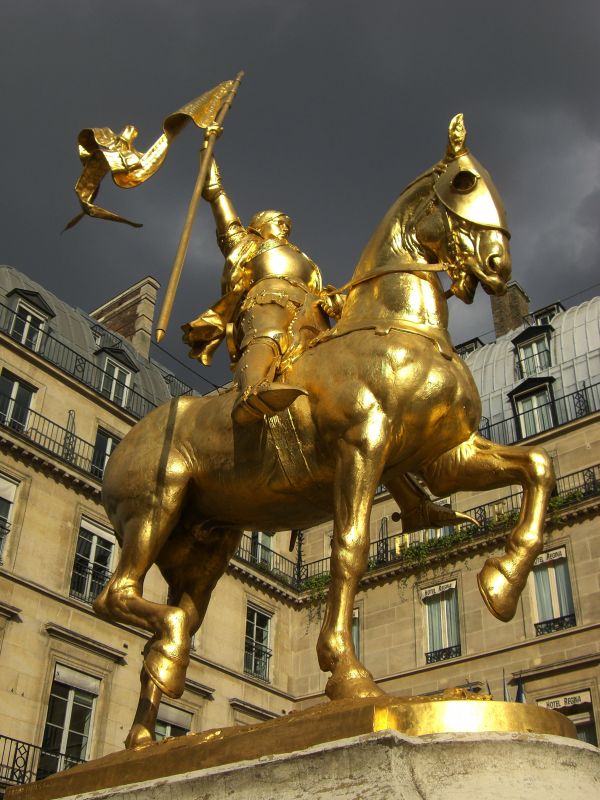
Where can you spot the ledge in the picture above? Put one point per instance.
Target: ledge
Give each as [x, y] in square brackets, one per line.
[251, 709]
[556, 666]
[79, 640]
[200, 689]
[10, 612]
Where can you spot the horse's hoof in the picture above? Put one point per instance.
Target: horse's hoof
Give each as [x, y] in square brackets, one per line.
[167, 672]
[499, 594]
[138, 736]
[352, 688]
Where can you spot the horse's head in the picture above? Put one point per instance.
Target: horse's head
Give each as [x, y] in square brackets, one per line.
[463, 223]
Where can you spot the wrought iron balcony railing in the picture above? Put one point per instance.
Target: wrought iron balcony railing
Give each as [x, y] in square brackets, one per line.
[532, 365]
[442, 655]
[88, 580]
[546, 416]
[50, 437]
[256, 659]
[268, 561]
[553, 625]
[21, 762]
[82, 369]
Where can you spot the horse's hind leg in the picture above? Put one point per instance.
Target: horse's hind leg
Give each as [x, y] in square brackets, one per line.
[192, 568]
[143, 525]
[481, 464]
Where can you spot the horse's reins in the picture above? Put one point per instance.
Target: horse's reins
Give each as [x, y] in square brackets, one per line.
[404, 266]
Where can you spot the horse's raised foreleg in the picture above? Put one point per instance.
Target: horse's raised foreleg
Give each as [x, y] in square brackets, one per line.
[358, 470]
[191, 566]
[481, 464]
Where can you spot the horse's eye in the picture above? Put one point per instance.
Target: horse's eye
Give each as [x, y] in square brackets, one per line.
[464, 181]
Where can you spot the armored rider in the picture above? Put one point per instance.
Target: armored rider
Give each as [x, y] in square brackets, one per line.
[267, 285]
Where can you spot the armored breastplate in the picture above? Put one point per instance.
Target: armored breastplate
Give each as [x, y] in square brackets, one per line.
[285, 260]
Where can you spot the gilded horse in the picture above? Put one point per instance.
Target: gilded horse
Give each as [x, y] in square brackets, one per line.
[386, 396]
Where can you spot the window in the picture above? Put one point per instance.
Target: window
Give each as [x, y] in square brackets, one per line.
[535, 412]
[356, 631]
[27, 327]
[172, 721]
[115, 382]
[443, 629]
[577, 706]
[15, 401]
[553, 595]
[8, 490]
[469, 346]
[68, 721]
[93, 559]
[534, 357]
[256, 650]
[103, 446]
[544, 316]
[260, 548]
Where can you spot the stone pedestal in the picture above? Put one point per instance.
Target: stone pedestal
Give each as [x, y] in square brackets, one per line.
[367, 749]
[389, 765]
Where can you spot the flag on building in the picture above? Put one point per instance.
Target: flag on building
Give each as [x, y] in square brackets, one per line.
[520, 698]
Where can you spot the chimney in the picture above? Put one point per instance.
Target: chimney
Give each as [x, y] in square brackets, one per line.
[509, 309]
[131, 313]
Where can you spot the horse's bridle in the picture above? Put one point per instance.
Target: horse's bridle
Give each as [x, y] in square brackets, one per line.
[401, 266]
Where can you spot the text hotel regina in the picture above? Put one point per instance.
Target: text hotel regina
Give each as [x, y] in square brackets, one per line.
[71, 386]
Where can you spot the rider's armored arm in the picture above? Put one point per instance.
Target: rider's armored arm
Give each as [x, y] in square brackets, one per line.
[229, 228]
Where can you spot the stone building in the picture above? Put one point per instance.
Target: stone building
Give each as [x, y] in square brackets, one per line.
[72, 384]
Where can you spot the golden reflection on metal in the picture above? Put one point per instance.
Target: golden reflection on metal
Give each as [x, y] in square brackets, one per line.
[101, 151]
[411, 716]
[318, 418]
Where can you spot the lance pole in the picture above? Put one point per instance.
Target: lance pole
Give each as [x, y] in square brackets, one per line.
[205, 159]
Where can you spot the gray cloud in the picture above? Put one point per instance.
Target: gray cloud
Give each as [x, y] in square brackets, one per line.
[343, 104]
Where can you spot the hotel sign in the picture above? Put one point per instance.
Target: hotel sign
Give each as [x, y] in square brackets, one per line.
[567, 700]
[431, 591]
[550, 555]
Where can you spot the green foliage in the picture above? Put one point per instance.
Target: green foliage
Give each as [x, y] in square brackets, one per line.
[317, 587]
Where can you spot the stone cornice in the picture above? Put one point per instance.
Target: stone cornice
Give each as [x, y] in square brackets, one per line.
[10, 612]
[249, 708]
[79, 640]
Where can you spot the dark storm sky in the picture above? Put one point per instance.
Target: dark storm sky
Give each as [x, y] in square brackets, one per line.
[342, 105]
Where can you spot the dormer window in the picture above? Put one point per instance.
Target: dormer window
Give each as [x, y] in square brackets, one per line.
[545, 315]
[115, 382]
[532, 351]
[27, 326]
[470, 346]
[534, 357]
[533, 406]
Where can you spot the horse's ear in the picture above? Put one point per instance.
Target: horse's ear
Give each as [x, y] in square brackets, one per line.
[457, 134]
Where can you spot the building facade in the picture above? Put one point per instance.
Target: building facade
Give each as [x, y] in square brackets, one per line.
[72, 384]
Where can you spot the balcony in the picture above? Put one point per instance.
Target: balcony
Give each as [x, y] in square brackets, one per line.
[51, 438]
[82, 369]
[556, 412]
[21, 762]
[256, 660]
[553, 625]
[88, 580]
[442, 655]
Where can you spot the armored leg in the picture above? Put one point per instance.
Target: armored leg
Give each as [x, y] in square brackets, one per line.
[259, 397]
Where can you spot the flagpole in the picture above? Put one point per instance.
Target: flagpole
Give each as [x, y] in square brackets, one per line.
[205, 159]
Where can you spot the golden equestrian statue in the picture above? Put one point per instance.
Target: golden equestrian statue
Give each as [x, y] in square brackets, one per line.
[380, 395]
